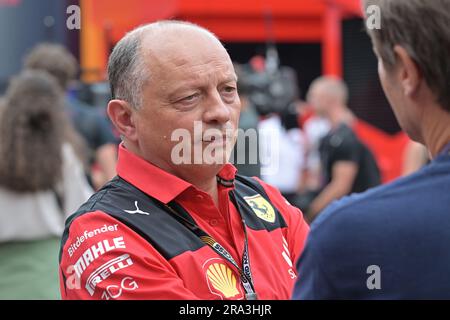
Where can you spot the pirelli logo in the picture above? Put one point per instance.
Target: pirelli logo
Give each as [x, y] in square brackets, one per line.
[106, 270]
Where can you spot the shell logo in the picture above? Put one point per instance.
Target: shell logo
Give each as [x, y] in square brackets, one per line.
[222, 281]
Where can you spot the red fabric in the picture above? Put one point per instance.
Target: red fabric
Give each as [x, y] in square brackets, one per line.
[146, 274]
[387, 149]
[303, 117]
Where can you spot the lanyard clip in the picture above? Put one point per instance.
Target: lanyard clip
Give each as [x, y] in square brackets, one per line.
[251, 296]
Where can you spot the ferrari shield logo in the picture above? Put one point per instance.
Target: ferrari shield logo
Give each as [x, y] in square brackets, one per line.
[261, 207]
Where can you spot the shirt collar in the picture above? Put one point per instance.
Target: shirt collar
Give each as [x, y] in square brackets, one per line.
[158, 183]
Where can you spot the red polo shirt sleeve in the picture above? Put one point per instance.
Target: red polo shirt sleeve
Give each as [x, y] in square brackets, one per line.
[297, 230]
[104, 259]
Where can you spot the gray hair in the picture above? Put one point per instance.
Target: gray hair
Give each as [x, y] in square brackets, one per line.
[127, 71]
[421, 27]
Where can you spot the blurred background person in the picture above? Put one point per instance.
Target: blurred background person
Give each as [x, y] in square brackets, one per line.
[283, 147]
[347, 164]
[91, 123]
[314, 129]
[41, 182]
[246, 152]
[272, 90]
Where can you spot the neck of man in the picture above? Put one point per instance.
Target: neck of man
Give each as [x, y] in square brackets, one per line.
[436, 130]
[340, 115]
[208, 185]
[202, 178]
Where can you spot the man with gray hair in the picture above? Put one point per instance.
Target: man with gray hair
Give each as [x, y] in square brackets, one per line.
[392, 241]
[171, 229]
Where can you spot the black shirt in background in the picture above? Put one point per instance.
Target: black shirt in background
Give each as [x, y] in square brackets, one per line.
[343, 145]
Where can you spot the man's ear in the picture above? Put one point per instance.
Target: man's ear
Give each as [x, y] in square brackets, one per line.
[409, 73]
[121, 115]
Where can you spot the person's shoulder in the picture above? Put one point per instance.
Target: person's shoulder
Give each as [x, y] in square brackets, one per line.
[68, 153]
[104, 206]
[374, 207]
[346, 134]
[350, 211]
[108, 199]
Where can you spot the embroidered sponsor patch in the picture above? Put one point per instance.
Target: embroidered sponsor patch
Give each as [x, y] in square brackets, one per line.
[261, 207]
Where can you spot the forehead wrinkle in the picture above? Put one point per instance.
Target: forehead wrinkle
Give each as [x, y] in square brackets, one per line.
[213, 72]
[179, 40]
[173, 58]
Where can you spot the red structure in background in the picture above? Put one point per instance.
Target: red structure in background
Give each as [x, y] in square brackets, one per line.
[104, 22]
[9, 3]
[388, 149]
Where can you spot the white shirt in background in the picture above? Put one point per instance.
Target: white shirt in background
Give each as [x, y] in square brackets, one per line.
[282, 154]
[34, 215]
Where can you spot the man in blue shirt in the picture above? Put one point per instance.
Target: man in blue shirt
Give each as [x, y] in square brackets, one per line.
[393, 241]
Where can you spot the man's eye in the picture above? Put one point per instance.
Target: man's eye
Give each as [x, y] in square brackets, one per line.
[229, 89]
[190, 98]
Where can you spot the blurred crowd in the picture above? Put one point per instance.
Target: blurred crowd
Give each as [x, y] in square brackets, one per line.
[57, 147]
[55, 151]
[317, 156]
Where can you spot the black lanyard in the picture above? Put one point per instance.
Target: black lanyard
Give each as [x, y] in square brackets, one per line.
[180, 214]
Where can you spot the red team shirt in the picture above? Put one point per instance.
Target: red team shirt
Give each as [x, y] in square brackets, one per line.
[104, 257]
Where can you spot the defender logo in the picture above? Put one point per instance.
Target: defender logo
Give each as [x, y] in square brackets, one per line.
[221, 280]
[139, 211]
[261, 207]
[89, 234]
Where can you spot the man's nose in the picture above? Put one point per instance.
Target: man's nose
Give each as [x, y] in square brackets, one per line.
[216, 110]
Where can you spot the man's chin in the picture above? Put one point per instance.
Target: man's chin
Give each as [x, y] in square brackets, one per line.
[199, 171]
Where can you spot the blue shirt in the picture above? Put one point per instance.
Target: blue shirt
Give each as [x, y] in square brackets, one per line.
[394, 239]
[91, 122]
